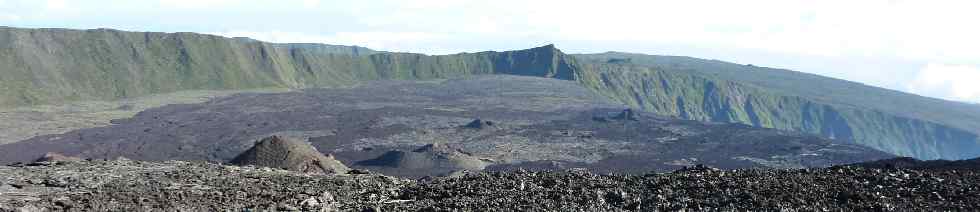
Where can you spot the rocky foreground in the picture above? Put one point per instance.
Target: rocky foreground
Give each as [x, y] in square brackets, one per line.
[125, 185]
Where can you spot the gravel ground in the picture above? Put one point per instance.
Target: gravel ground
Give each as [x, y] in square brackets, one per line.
[185, 186]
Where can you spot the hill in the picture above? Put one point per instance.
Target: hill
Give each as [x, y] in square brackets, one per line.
[283, 153]
[428, 160]
[52, 66]
[710, 90]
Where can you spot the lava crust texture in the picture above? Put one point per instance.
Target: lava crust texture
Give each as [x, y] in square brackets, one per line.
[185, 186]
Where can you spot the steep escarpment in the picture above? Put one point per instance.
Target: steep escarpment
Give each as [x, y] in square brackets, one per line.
[49, 66]
[41, 66]
[695, 96]
[819, 88]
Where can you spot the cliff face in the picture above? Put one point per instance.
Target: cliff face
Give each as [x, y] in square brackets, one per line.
[47, 66]
[690, 95]
[42, 66]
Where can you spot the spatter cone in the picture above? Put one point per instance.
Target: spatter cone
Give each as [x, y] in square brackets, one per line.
[283, 153]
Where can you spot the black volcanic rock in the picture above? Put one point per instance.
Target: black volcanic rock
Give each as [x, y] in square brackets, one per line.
[125, 185]
[478, 124]
[282, 153]
[697, 168]
[627, 115]
[912, 163]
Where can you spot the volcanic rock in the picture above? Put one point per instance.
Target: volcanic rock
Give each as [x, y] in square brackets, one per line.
[368, 121]
[624, 115]
[478, 124]
[627, 114]
[429, 157]
[282, 153]
[697, 168]
[912, 163]
[101, 185]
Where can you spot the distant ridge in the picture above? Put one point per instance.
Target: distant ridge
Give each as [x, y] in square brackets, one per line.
[718, 91]
[52, 66]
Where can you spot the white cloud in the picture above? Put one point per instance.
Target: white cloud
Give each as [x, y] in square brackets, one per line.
[939, 31]
[957, 82]
[874, 30]
[231, 5]
[383, 40]
[55, 8]
[24, 10]
[57, 5]
[916, 30]
[9, 17]
[276, 36]
[195, 4]
[310, 3]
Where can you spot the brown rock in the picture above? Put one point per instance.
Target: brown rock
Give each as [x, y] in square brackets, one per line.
[282, 153]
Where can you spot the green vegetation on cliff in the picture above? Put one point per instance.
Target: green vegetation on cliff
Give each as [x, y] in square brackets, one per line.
[697, 96]
[51, 66]
[838, 92]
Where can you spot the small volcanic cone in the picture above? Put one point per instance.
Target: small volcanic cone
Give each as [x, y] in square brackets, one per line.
[282, 153]
[435, 157]
[478, 124]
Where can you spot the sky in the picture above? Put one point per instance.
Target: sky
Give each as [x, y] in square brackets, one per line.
[923, 47]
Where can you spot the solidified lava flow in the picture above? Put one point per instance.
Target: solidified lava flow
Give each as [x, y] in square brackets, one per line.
[189, 186]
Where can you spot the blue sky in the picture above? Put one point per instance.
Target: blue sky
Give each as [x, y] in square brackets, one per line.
[923, 47]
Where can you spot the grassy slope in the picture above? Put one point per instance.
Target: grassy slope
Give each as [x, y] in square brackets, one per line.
[51, 66]
[707, 90]
[819, 88]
